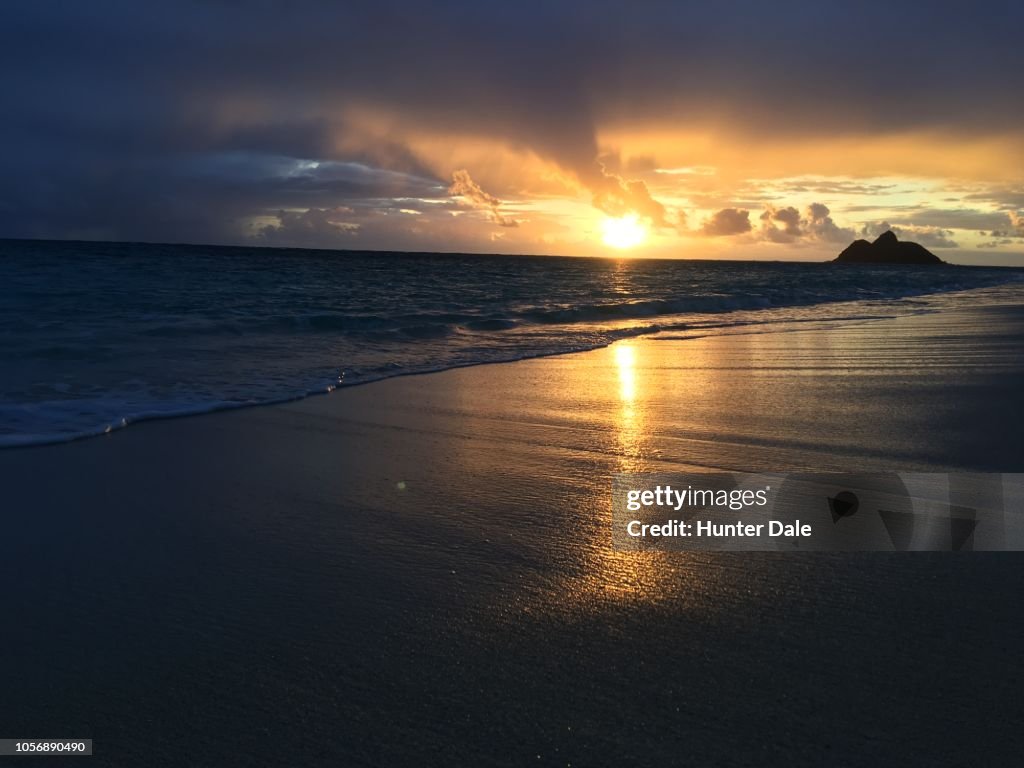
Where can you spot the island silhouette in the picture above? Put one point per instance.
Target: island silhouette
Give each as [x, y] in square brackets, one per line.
[887, 249]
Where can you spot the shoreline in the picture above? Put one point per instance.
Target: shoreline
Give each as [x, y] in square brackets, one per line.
[24, 442]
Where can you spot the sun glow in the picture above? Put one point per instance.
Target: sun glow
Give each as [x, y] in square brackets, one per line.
[623, 232]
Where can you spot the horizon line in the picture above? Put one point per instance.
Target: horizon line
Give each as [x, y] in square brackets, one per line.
[316, 249]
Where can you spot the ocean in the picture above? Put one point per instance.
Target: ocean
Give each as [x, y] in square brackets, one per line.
[96, 336]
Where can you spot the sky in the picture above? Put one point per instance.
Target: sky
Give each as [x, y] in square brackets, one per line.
[778, 130]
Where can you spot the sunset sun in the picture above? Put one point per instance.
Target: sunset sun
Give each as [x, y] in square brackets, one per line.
[623, 232]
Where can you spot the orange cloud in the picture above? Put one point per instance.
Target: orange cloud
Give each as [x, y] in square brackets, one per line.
[728, 221]
[464, 186]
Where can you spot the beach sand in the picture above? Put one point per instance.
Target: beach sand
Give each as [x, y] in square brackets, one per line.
[418, 571]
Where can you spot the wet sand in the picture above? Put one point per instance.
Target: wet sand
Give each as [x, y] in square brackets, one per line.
[418, 571]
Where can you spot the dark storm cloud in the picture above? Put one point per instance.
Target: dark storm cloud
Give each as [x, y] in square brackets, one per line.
[118, 117]
[314, 228]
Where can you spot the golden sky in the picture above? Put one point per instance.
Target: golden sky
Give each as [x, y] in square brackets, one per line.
[733, 130]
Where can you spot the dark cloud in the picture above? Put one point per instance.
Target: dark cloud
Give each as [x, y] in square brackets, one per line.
[1006, 198]
[728, 221]
[118, 116]
[416, 228]
[314, 228]
[1015, 228]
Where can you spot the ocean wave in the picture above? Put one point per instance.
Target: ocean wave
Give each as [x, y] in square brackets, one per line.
[191, 335]
[442, 323]
[77, 419]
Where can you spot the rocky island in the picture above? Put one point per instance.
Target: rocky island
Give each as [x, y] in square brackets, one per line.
[887, 249]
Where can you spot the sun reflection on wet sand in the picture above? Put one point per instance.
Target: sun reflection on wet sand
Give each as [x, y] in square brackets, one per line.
[607, 574]
[600, 413]
[625, 358]
[629, 427]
